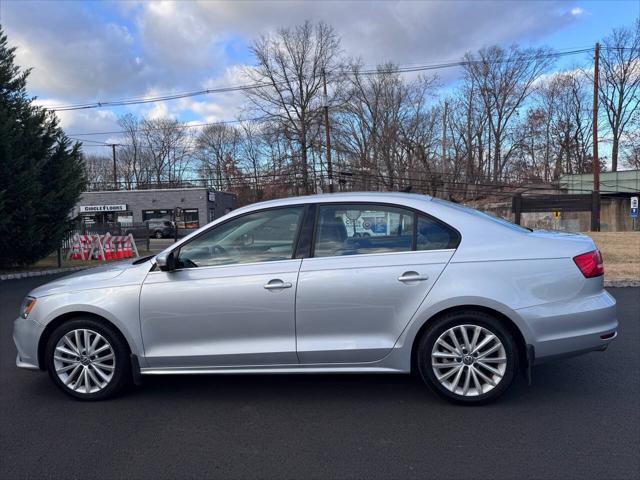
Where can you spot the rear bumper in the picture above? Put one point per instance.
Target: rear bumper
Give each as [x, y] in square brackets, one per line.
[573, 327]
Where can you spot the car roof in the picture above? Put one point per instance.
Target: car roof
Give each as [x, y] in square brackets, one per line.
[384, 197]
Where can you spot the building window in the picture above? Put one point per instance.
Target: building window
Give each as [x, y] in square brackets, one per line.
[157, 214]
[188, 217]
[122, 217]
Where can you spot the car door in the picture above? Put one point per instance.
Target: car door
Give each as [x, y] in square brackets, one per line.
[369, 271]
[230, 301]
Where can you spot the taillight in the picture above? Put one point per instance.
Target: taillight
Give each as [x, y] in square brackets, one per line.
[590, 264]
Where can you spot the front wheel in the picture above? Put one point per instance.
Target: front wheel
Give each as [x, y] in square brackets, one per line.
[87, 359]
[468, 357]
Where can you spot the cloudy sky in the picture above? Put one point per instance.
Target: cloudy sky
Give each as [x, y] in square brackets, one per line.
[95, 51]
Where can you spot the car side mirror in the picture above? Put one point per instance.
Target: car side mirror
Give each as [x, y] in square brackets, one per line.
[166, 261]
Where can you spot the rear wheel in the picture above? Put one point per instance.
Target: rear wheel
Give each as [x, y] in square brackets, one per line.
[468, 357]
[87, 360]
[158, 234]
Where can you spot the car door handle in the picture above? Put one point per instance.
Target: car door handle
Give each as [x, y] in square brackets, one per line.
[277, 285]
[412, 277]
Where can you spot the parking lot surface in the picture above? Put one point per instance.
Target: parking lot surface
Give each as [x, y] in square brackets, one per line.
[579, 419]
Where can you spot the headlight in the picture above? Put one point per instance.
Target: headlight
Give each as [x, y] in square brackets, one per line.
[26, 307]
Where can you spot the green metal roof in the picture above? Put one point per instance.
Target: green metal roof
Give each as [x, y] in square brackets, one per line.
[626, 181]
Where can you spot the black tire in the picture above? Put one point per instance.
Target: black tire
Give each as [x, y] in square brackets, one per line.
[121, 373]
[474, 318]
[158, 234]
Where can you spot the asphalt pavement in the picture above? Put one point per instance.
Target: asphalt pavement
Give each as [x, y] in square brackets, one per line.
[579, 419]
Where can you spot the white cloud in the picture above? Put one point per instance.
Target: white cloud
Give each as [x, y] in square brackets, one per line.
[74, 55]
[79, 55]
[81, 121]
[577, 11]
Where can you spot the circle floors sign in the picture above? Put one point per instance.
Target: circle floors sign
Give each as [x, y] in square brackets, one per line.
[102, 208]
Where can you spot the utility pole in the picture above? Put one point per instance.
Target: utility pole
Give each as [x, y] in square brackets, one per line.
[444, 150]
[115, 172]
[595, 207]
[326, 126]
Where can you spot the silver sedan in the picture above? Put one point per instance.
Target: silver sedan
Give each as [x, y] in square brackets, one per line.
[343, 283]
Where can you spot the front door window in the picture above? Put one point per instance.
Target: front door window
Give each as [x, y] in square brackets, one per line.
[264, 236]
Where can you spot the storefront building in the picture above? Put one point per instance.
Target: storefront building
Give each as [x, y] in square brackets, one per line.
[193, 207]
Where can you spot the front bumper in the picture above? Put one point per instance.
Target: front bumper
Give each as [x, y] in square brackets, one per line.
[26, 335]
[571, 327]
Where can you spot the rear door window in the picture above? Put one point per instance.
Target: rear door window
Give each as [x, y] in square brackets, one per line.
[357, 229]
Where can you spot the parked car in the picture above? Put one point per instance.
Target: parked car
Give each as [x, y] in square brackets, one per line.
[160, 228]
[465, 299]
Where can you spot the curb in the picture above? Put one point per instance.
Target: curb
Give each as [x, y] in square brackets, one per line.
[621, 283]
[40, 273]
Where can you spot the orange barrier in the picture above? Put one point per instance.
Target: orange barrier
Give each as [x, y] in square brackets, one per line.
[102, 247]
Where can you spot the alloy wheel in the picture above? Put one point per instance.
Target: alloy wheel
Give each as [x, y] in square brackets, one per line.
[469, 360]
[84, 361]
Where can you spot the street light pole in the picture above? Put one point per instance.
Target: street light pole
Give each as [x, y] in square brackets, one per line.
[595, 203]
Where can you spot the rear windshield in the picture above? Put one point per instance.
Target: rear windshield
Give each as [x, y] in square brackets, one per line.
[488, 216]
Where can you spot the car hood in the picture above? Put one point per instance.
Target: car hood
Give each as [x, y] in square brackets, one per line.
[107, 276]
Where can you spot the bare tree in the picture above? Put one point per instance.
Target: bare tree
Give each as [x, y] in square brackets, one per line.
[631, 153]
[467, 124]
[130, 157]
[252, 152]
[505, 79]
[506, 123]
[619, 83]
[99, 169]
[218, 147]
[290, 68]
[385, 129]
[167, 146]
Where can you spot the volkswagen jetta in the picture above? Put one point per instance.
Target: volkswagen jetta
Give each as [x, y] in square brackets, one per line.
[352, 282]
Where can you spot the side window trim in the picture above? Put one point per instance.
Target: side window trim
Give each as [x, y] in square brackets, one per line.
[414, 234]
[312, 248]
[304, 242]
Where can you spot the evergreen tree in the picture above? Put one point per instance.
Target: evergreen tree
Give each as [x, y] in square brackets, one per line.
[41, 172]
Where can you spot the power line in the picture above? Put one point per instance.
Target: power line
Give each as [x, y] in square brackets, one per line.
[159, 98]
[178, 126]
[237, 88]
